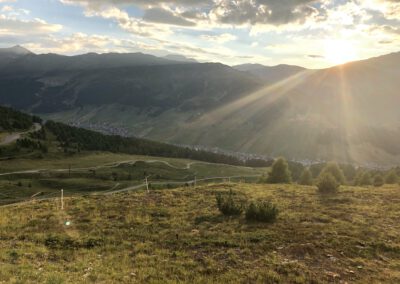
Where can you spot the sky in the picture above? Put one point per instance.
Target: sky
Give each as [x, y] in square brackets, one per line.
[309, 33]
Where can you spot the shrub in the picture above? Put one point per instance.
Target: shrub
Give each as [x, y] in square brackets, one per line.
[335, 171]
[306, 177]
[391, 177]
[228, 206]
[280, 172]
[262, 212]
[327, 183]
[365, 179]
[378, 181]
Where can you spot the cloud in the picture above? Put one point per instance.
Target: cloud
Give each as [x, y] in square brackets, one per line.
[263, 11]
[391, 29]
[12, 26]
[7, 9]
[222, 38]
[159, 15]
[129, 24]
[234, 12]
[100, 4]
[385, 41]
[11, 11]
[76, 43]
[315, 56]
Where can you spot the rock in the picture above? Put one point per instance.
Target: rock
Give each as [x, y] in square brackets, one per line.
[334, 275]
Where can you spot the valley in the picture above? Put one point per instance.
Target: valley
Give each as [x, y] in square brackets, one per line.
[338, 113]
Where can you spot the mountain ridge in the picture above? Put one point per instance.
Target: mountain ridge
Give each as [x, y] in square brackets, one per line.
[346, 113]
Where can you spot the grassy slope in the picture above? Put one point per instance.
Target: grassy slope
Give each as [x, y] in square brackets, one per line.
[54, 173]
[179, 236]
[93, 159]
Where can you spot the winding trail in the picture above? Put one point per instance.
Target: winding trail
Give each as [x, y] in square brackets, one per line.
[108, 165]
[12, 137]
[113, 190]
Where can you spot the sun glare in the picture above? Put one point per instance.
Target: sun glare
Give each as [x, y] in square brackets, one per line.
[339, 51]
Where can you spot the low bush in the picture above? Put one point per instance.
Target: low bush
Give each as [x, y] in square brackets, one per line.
[378, 181]
[262, 212]
[306, 178]
[327, 183]
[364, 179]
[333, 169]
[391, 177]
[228, 206]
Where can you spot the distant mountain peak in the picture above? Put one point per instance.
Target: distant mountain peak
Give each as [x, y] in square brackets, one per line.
[17, 49]
[180, 58]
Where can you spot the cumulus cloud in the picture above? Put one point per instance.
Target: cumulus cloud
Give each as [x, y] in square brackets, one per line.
[263, 11]
[235, 12]
[143, 3]
[128, 23]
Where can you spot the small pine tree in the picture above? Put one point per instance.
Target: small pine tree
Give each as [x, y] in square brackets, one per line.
[327, 183]
[280, 172]
[262, 212]
[227, 205]
[378, 181]
[306, 177]
[391, 177]
[334, 170]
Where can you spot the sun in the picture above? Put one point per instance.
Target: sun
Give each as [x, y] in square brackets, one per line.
[339, 51]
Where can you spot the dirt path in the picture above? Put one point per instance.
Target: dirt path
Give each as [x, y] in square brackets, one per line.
[12, 137]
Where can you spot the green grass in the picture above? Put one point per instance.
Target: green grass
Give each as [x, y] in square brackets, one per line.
[89, 159]
[91, 172]
[93, 159]
[178, 235]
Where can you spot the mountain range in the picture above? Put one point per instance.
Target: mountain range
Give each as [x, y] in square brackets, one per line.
[347, 113]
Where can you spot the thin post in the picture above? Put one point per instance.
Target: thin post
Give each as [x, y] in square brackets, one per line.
[147, 185]
[195, 181]
[62, 199]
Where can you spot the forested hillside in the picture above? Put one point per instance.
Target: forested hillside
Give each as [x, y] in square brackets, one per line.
[76, 139]
[12, 120]
[73, 139]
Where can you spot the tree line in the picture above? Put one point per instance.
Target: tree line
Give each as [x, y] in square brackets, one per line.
[77, 139]
[13, 120]
[329, 176]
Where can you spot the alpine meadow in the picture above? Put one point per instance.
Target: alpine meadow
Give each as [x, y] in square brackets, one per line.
[210, 141]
